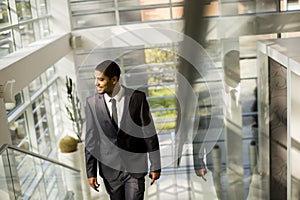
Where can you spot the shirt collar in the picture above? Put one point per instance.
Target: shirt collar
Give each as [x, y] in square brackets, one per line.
[117, 97]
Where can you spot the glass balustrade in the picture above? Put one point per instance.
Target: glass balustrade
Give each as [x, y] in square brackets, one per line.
[26, 175]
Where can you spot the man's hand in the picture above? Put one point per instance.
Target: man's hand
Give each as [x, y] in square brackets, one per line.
[93, 183]
[154, 176]
[201, 173]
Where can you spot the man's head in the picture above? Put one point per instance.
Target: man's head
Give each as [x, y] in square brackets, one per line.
[107, 75]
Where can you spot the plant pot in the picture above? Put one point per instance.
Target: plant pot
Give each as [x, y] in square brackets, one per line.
[76, 160]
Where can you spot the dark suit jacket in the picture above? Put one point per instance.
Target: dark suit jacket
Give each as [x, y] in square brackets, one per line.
[125, 149]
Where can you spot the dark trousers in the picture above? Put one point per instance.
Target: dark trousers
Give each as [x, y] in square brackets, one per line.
[125, 187]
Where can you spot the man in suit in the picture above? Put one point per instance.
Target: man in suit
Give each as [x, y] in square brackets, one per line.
[120, 136]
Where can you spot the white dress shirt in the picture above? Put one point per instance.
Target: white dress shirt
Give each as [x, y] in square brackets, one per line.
[119, 97]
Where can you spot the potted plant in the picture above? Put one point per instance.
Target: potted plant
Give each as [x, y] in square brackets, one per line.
[68, 143]
[72, 149]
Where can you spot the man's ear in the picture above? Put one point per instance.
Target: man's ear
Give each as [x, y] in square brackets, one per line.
[114, 79]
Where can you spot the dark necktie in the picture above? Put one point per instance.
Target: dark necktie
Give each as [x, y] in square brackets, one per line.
[114, 115]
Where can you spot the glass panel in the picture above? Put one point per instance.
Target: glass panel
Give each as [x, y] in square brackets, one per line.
[146, 15]
[39, 191]
[41, 127]
[42, 8]
[51, 180]
[266, 5]
[23, 10]
[18, 132]
[28, 171]
[6, 44]
[211, 9]
[133, 58]
[122, 3]
[130, 16]
[249, 127]
[10, 107]
[50, 73]
[55, 110]
[44, 141]
[156, 14]
[37, 178]
[150, 66]
[6, 48]
[248, 91]
[34, 86]
[72, 180]
[177, 12]
[5, 35]
[248, 68]
[6, 187]
[27, 34]
[161, 54]
[94, 20]
[163, 102]
[4, 14]
[156, 75]
[149, 2]
[44, 28]
[246, 7]
[88, 6]
[293, 5]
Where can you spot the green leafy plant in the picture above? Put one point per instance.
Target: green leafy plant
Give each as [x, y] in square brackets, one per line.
[74, 109]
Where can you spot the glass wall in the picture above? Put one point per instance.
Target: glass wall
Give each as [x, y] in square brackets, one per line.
[29, 121]
[28, 24]
[41, 127]
[87, 14]
[231, 26]
[36, 125]
[19, 132]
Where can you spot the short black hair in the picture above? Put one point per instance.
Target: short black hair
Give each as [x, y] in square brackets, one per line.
[109, 68]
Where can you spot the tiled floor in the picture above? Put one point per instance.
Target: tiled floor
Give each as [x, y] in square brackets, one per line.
[179, 185]
[183, 184]
[176, 186]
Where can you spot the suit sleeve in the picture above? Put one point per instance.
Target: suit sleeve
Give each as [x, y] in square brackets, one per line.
[151, 139]
[90, 143]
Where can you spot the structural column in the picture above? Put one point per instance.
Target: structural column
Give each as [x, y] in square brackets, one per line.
[4, 129]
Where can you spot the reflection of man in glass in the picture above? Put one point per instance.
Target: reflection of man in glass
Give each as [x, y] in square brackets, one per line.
[232, 82]
[119, 135]
[199, 142]
[198, 156]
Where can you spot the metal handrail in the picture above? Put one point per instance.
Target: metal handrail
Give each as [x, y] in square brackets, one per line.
[8, 146]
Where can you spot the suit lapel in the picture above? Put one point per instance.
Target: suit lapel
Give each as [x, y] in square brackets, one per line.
[127, 96]
[103, 116]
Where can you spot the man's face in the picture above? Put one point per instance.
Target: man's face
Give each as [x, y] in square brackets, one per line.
[104, 84]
